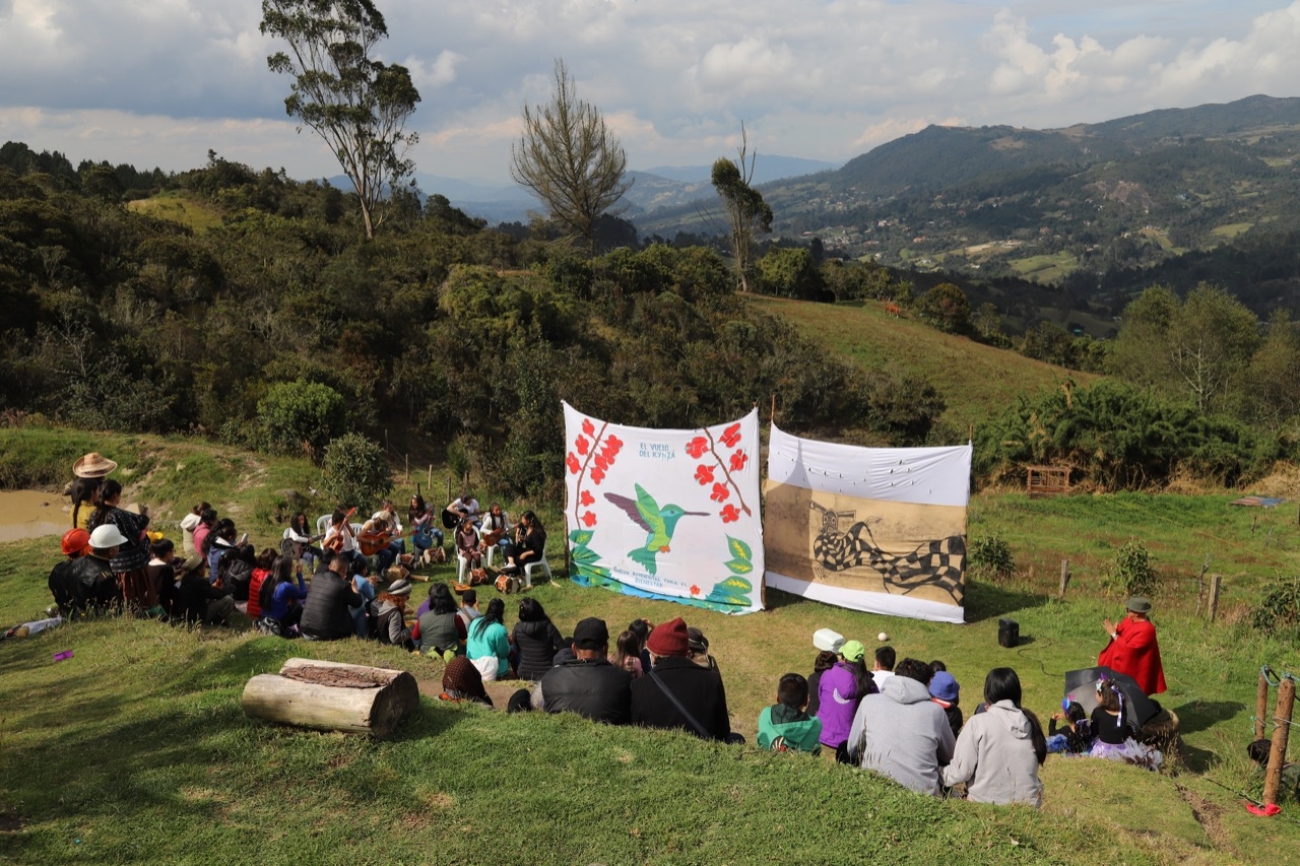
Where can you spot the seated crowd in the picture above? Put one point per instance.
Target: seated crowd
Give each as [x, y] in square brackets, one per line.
[901, 719]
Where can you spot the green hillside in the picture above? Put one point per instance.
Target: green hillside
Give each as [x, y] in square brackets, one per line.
[975, 380]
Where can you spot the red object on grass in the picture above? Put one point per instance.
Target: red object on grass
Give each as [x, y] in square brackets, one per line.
[1264, 812]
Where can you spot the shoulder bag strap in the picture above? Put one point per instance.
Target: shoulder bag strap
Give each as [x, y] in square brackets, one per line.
[699, 729]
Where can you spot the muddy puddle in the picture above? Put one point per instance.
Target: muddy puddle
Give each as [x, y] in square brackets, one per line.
[31, 514]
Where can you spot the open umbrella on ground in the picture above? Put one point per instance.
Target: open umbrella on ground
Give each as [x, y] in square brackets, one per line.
[1081, 686]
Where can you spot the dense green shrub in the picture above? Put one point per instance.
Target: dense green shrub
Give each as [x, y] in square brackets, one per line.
[1278, 608]
[355, 472]
[989, 558]
[300, 416]
[1131, 572]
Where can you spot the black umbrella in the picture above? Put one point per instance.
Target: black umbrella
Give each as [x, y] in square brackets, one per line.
[1081, 686]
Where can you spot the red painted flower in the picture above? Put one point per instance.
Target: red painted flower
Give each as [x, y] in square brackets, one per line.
[695, 590]
[588, 427]
[704, 474]
[589, 518]
[597, 475]
[586, 499]
[581, 444]
[730, 514]
[572, 462]
[601, 462]
[738, 460]
[731, 435]
[720, 492]
[696, 447]
[613, 443]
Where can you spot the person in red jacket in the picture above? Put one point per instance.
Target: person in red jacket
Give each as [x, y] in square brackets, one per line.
[1133, 649]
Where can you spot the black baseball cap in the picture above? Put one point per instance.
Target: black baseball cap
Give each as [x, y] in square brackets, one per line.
[590, 634]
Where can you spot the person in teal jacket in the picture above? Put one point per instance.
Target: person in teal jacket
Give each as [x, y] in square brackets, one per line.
[785, 726]
[488, 644]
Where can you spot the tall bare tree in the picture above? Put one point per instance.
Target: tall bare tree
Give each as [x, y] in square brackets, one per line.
[569, 159]
[746, 210]
[358, 105]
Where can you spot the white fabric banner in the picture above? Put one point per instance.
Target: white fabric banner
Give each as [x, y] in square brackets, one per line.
[666, 513]
[875, 529]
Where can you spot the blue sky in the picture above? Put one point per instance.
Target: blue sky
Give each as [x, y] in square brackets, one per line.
[159, 82]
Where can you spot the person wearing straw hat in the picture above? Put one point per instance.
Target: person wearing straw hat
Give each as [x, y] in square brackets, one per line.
[90, 471]
[1133, 649]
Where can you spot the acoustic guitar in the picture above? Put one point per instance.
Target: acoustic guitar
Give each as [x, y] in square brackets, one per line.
[373, 542]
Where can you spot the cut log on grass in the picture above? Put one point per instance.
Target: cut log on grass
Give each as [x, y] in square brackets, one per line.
[329, 696]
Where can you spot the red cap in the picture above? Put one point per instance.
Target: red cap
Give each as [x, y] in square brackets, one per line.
[669, 639]
[75, 541]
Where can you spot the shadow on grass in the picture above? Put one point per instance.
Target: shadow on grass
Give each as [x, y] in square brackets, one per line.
[1196, 716]
[987, 601]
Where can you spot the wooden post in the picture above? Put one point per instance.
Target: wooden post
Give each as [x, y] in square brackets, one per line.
[408, 468]
[430, 478]
[1254, 521]
[1261, 706]
[1277, 755]
[1216, 582]
[1200, 584]
[1065, 576]
[568, 560]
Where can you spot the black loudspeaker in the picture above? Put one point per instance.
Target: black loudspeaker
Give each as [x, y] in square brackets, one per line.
[1008, 633]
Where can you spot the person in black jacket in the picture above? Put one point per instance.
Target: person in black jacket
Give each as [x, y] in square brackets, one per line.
[678, 693]
[193, 599]
[327, 615]
[69, 593]
[589, 685]
[90, 580]
[536, 639]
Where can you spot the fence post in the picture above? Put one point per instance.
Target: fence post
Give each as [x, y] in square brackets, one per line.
[1261, 706]
[1216, 582]
[1065, 576]
[1277, 755]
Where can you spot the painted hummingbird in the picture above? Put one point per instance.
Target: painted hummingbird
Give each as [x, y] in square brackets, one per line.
[659, 524]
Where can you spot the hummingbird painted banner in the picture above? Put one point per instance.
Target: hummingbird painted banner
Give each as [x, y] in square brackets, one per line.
[659, 524]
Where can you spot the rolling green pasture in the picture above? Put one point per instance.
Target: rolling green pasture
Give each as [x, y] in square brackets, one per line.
[178, 207]
[1045, 268]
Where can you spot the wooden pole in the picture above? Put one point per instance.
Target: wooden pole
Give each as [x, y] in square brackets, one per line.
[1216, 582]
[1277, 755]
[1065, 576]
[1261, 706]
[408, 468]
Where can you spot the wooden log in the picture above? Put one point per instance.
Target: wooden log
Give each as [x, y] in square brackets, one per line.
[329, 696]
[1277, 754]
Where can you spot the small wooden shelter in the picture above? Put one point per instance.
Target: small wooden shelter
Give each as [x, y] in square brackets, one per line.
[1046, 481]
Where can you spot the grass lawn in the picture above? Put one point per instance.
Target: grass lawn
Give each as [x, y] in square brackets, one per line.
[976, 380]
[1045, 268]
[136, 750]
[1231, 230]
[178, 207]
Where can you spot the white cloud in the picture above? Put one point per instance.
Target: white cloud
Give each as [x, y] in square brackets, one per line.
[816, 78]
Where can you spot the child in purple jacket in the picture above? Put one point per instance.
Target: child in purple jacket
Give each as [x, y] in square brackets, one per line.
[840, 690]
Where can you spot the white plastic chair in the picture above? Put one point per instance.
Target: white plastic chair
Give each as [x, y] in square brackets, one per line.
[323, 523]
[462, 564]
[539, 565]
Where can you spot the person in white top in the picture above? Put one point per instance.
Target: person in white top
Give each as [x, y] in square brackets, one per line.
[188, 524]
[465, 506]
[884, 667]
[340, 539]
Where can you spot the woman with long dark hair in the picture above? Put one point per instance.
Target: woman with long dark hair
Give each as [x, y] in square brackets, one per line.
[536, 638]
[488, 646]
[1000, 750]
[442, 633]
[138, 592]
[280, 598]
[529, 544]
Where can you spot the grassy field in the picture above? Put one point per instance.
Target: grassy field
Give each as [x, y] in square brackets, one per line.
[1231, 230]
[178, 207]
[135, 749]
[1045, 268]
[975, 380]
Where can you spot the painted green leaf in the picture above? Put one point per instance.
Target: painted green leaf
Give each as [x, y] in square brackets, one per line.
[585, 556]
[740, 566]
[736, 585]
[581, 536]
[739, 549]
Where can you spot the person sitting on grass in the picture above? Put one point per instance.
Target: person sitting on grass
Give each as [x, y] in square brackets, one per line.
[97, 588]
[439, 630]
[261, 571]
[162, 569]
[825, 661]
[786, 726]
[884, 666]
[392, 615]
[676, 693]
[488, 645]
[69, 593]
[901, 733]
[588, 684]
[328, 612]
[462, 683]
[469, 607]
[627, 654]
[536, 639]
[1114, 738]
[841, 689]
[642, 628]
[1076, 738]
[196, 600]
[945, 692]
[280, 598]
[699, 645]
[364, 581]
[1000, 750]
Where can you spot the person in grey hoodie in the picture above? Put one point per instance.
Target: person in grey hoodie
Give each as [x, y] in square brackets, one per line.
[1000, 750]
[901, 733]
